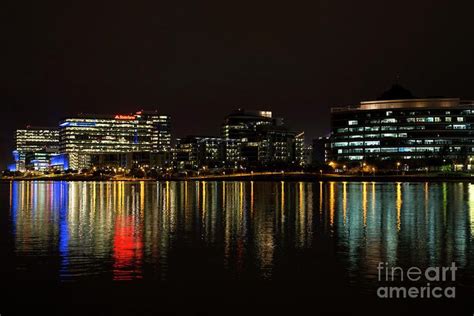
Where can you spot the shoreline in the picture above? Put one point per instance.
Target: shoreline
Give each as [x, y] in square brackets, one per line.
[268, 176]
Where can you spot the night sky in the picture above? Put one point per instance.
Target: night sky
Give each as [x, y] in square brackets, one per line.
[199, 61]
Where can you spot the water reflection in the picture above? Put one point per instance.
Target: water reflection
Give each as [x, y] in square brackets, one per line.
[126, 231]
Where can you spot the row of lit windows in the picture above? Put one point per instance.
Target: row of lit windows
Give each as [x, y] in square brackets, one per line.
[405, 157]
[394, 128]
[415, 113]
[377, 128]
[399, 150]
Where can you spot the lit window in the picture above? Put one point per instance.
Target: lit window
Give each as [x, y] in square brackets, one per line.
[353, 122]
[372, 150]
[372, 143]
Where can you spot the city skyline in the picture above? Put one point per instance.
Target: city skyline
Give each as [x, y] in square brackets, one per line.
[323, 127]
[257, 139]
[201, 60]
[143, 140]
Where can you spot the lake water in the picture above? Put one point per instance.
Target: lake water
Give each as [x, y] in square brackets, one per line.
[311, 240]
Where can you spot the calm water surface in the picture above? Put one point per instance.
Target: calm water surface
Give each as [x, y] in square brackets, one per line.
[106, 231]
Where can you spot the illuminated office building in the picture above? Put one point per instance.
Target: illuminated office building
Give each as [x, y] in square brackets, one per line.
[257, 139]
[85, 135]
[243, 124]
[409, 130]
[194, 152]
[278, 146]
[34, 146]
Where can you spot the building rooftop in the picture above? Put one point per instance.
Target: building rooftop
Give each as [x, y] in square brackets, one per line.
[407, 104]
[398, 97]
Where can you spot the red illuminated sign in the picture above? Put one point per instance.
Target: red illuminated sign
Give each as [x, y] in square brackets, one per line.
[124, 117]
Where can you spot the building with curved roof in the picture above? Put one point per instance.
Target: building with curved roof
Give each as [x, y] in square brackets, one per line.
[407, 130]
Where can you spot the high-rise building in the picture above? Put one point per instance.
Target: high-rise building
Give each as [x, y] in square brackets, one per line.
[257, 139]
[34, 146]
[194, 152]
[85, 134]
[278, 146]
[243, 124]
[404, 130]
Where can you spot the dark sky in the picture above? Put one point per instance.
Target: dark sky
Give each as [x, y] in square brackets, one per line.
[199, 61]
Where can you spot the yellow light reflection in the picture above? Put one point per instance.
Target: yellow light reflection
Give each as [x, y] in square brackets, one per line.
[344, 201]
[426, 189]
[241, 200]
[373, 198]
[471, 207]
[251, 198]
[142, 194]
[332, 202]
[399, 204]
[204, 195]
[301, 215]
[320, 198]
[364, 202]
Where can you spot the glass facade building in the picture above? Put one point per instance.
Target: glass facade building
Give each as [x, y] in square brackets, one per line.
[403, 130]
[34, 146]
[193, 152]
[257, 139]
[84, 135]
